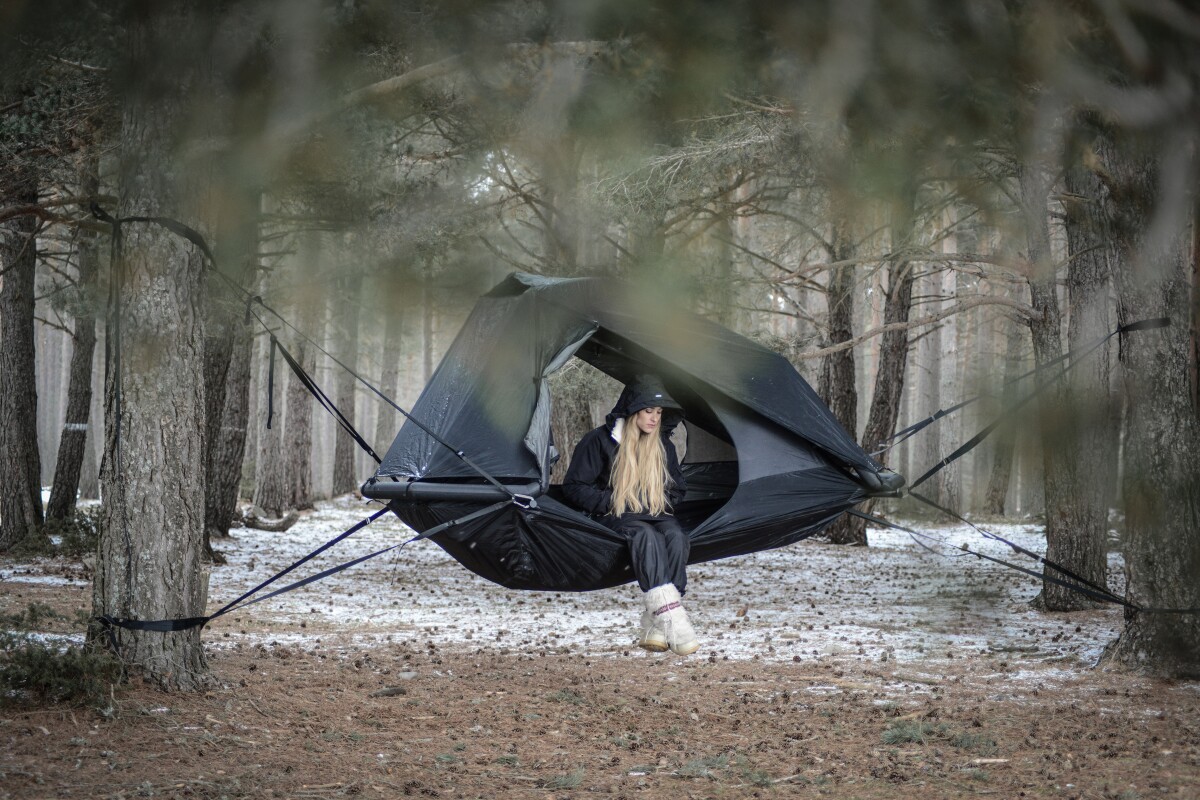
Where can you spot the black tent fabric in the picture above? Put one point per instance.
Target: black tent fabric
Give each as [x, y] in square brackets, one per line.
[786, 470]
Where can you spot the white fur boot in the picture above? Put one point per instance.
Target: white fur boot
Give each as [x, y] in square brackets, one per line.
[652, 638]
[664, 604]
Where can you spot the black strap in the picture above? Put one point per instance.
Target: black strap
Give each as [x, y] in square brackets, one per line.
[1018, 548]
[315, 390]
[1081, 352]
[184, 623]
[1105, 597]
[336, 569]
[193, 236]
[974, 441]
[1101, 596]
[271, 382]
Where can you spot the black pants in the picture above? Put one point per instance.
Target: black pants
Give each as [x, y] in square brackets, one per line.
[658, 548]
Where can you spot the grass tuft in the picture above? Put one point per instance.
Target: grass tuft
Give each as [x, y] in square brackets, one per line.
[909, 730]
[34, 672]
[981, 743]
[31, 619]
[703, 767]
[566, 781]
[566, 696]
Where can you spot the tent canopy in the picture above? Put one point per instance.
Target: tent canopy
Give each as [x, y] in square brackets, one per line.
[779, 467]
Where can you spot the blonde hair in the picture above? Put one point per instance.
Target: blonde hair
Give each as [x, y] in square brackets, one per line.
[639, 475]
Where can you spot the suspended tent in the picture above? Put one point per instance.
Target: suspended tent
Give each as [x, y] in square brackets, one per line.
[767, 464]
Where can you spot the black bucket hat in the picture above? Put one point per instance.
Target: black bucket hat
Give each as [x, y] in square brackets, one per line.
[646, 391]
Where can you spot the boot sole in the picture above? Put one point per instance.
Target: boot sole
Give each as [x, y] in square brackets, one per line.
[654, 645]
[686, 649]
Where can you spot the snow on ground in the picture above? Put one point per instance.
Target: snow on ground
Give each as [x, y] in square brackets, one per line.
[34, 572]
[891, 602]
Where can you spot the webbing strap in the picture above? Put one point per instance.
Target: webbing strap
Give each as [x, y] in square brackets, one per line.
[973, 442]
[271, 382]
[307, 381]
[1098, 594]
[1016, 547]
[1105, 597]
[1080, 353]
[184, 623]
[194, 236]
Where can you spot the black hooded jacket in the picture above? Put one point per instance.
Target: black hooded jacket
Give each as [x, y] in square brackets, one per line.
[586, 485]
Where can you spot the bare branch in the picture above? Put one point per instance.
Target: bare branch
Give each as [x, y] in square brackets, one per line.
[46, 215]
[59, 326]
[395, 87]
[77, 64]
[1023, 309]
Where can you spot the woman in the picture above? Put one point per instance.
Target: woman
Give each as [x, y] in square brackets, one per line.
[625, 474]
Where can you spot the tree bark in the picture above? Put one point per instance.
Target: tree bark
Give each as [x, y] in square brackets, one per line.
[427, 327]
[89, 476]
[1161, 486]
[229, 450]
[72, 444]
[1069, 540]
[949, 431]
[1006, 439]
[20, 465]
[837, 374]
[309, 304]
[1092, 444]
[73, 441]
[345, 323]
[272, 484]
[893, 347]
[227, 361]
[387, 424]
[927, 447]
[152, 534]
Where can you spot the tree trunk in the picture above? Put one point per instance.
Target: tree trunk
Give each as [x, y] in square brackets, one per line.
[949, 431]
[229, 450]
[893, 348]
[20, 465]
[837, 374]
[152, 534]
[89, 476]
[1006, 439]
[298, 432]
[1069, 541]
[50, 384]
[309, 304]
[1093, 439]
[226, 350]
[345, 323]
[427, 327]
[72, 444]
[1161, 487]
[272, 484]
[387, 424]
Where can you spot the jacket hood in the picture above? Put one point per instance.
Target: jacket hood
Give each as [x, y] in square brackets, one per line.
[646, 391]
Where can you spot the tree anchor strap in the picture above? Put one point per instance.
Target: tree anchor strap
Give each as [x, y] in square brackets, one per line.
[186, 623]
[1098, 594]
[1082, 352]
[974, 441]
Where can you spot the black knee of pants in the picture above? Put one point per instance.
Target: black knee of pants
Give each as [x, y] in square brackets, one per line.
[658, 549]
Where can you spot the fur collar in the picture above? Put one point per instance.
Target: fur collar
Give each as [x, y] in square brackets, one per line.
[617, 428]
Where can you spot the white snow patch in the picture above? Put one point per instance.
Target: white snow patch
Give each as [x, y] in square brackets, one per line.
[892, 602]
[32, 573]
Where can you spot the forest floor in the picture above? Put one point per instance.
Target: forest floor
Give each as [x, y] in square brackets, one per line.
[884, 672]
